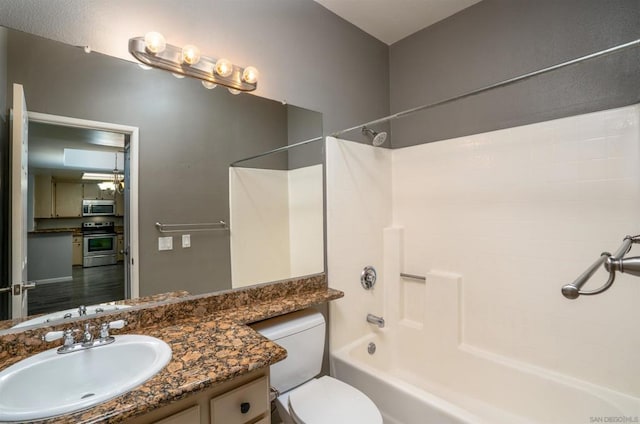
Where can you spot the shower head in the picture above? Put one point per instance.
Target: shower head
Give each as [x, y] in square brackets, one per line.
[378, 137]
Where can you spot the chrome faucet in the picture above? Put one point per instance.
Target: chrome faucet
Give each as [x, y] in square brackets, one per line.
[87, 337]
[373, 319]
[87, 342]
[82, 310]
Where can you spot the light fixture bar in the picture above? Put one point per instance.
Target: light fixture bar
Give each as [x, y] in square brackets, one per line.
[98, 177]
[171, 59]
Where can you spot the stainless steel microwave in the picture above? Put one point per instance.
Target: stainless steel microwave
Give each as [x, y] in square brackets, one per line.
[98, 208]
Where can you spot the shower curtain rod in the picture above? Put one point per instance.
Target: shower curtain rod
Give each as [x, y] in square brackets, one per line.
[601, 53]
[279, 149]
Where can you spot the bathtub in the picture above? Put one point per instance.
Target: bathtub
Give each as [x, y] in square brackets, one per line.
[466, 385]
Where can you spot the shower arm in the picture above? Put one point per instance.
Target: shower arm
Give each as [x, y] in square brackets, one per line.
[612, 263]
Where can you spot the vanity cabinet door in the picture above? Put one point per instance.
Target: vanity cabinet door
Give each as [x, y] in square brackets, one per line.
[242, 405]
[188, 416]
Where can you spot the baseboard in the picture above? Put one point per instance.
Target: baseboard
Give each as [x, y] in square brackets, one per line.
[54, 280]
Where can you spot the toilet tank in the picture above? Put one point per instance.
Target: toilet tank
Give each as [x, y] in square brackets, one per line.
[302, 335]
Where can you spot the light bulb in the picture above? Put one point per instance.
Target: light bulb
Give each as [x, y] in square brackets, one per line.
[145, 67]
[190, 54]
[179, 76]
[224, 67]
[209, 85]
[250, 75]
[234, 91]
[155, 42]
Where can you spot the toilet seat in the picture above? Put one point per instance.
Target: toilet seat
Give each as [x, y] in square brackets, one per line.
[329, 401]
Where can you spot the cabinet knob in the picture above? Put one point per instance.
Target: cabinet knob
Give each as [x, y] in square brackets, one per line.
[244, 407]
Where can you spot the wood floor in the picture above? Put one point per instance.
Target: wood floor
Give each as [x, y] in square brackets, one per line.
[89, 287]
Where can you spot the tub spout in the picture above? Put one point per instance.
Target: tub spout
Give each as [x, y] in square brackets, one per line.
[379, 321]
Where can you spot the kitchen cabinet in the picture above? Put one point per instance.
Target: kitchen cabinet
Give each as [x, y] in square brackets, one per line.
[243, 400]
[119, 198]
[120, 248]
[43, 197]
[68, 199]
[91, 191]
[76, 250]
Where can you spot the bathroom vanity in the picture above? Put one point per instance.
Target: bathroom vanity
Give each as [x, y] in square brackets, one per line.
[219, 370]
[244, 400]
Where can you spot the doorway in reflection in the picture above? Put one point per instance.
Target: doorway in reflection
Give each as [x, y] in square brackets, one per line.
[77, 216]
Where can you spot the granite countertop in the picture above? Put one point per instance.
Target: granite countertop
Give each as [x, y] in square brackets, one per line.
[204, 354]
[75, 231]
[208, 335]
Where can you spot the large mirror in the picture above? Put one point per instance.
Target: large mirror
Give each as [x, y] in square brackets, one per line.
[187, 137]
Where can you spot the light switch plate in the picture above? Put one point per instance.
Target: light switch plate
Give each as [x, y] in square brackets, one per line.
[165, 243]
[186, 240]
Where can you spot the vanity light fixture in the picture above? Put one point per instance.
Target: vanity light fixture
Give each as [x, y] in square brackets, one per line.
[153, 50]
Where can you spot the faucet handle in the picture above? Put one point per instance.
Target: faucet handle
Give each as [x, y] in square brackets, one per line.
[52, 336]
[56, 335]
[106, 326]
[116, 325]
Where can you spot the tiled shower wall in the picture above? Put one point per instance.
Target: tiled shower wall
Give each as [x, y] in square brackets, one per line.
[516, 213]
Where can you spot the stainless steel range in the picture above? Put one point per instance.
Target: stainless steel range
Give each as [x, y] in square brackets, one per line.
[99, 244]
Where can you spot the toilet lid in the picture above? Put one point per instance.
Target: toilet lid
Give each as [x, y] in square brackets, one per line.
[330, 401]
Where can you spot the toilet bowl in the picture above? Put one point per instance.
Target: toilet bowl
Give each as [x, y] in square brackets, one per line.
[327, 400]
[303, 398]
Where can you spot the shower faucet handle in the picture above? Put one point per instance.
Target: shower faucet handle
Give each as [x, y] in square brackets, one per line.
[368, 277]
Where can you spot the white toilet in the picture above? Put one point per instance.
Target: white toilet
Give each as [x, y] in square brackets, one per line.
[303, 398]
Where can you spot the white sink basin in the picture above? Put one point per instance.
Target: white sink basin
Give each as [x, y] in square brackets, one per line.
[60, 315]
[50, 384]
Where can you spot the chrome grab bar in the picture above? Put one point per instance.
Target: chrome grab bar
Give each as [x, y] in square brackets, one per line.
[612, 263]
[413, 276]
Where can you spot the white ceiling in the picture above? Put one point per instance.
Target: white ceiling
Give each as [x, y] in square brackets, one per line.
[392, 20]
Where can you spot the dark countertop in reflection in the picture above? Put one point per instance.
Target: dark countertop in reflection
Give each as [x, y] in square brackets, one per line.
[74, 230]
[131, 302]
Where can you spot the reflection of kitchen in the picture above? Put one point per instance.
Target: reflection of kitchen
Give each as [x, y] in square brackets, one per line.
[76, 242]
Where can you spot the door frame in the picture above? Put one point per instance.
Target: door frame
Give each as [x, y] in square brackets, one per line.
[133, 132]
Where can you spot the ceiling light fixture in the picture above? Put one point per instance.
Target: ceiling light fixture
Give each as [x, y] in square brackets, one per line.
[96, 176]
[152, 50]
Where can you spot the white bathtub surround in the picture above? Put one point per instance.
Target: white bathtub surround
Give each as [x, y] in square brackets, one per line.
[358, 207]
[276, 223]
[498, 222]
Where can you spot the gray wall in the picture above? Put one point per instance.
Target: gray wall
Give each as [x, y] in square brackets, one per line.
[306, 55]
[188, 137]
[499, 39]
[4, 184]
[304, 125]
